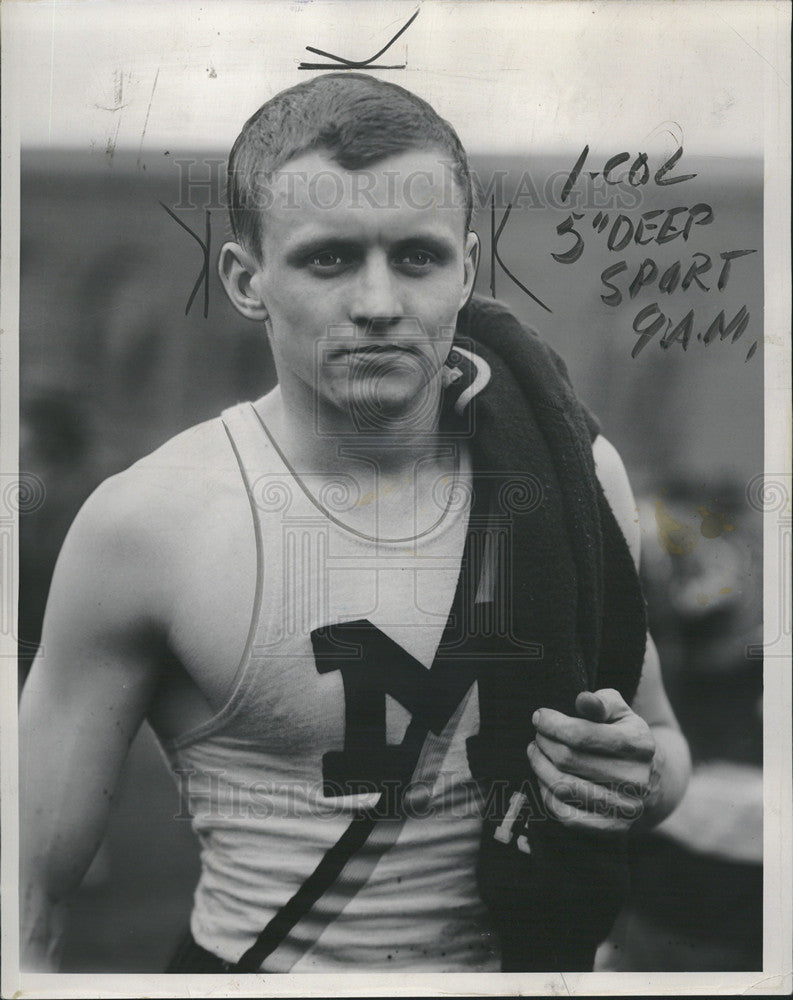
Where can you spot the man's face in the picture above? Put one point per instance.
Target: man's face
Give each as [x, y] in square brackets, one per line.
[363, 274]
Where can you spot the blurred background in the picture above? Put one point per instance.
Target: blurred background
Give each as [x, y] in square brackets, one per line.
[118, 104]
[111, 367]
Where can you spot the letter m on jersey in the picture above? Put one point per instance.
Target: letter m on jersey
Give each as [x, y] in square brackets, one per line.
[372, 665]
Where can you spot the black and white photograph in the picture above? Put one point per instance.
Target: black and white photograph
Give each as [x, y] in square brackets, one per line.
[395, 520]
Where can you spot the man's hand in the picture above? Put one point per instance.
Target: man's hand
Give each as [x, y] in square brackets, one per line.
[596, 771]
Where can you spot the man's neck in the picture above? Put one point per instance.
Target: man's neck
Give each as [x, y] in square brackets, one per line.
[400, 483]
[324, 439]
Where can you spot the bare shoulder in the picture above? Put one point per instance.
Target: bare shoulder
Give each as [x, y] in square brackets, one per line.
[174, 481]
[132, 525]
[617, 489]
[199, 458]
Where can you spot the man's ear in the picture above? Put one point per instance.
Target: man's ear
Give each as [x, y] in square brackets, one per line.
[470, 265]
[237, 269]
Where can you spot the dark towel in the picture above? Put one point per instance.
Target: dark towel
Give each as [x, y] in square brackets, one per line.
[575, 620]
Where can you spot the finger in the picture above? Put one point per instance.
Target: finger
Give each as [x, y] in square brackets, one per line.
[585, 796]
[606, 704]
[630, 738]
[578, 819]
[608, 770]
[590, 707]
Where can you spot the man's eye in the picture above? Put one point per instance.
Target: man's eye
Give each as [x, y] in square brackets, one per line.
[326, 259]
[416, 259]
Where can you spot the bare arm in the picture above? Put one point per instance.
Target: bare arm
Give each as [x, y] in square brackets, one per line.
[616, 764]
[671, 763]
[88, 691]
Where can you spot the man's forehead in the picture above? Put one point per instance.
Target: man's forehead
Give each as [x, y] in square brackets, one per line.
[413, 181]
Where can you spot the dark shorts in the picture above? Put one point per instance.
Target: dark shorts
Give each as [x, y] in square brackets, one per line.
[191, 957]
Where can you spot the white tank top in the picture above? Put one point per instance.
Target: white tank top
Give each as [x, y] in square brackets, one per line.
[266, 779]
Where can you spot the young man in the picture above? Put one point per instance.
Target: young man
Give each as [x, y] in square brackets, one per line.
[382, 619]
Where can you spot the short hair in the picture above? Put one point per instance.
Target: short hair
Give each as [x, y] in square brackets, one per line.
[358, 119]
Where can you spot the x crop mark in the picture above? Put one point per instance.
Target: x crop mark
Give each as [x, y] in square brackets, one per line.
[340, 63]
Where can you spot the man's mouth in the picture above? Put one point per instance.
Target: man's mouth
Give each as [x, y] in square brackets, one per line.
[375, 352]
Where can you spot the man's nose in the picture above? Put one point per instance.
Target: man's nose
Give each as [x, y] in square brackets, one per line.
[376, 302]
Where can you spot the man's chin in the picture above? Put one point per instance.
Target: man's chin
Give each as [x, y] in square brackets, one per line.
[390, 407]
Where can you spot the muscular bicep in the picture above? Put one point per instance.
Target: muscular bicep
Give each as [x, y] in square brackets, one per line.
[650, 701]
[87, 693]
[617, 489]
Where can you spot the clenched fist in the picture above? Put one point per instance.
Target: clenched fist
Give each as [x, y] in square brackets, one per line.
[595, 771]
